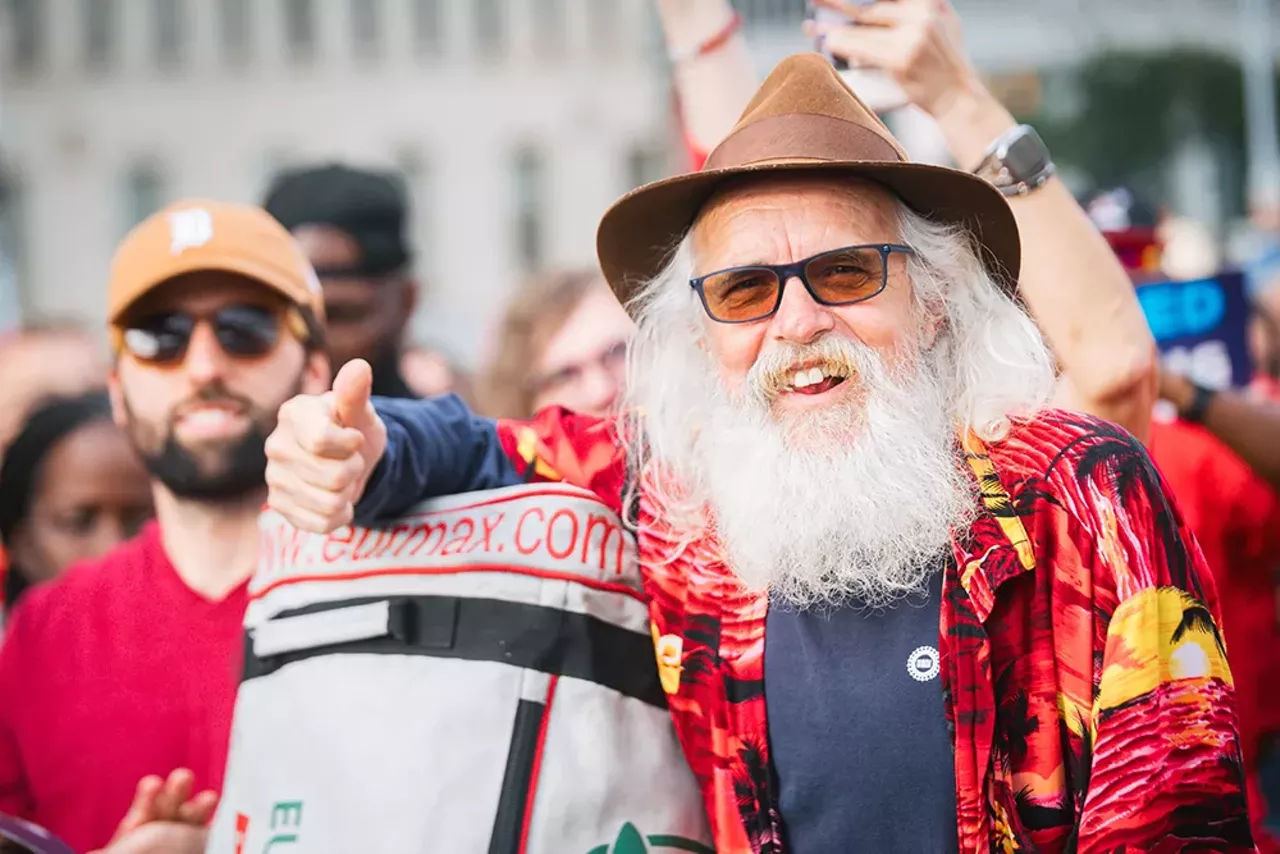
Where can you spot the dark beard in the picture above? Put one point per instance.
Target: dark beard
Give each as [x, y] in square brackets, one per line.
[243, 471]
[242, 465]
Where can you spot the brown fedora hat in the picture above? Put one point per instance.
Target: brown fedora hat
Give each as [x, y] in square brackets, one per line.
[804, 118]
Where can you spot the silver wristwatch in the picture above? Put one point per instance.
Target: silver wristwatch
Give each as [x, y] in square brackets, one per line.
[1017, 163]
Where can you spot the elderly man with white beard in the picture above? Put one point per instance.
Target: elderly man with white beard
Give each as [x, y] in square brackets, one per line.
[898, 602]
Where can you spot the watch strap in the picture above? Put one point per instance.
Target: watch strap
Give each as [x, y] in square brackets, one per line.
[997, 172]
[1199, 406]
[1035, 182]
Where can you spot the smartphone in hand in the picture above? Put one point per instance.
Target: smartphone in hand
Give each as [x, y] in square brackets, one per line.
[875, 89]
[23, 837]
[823, 15]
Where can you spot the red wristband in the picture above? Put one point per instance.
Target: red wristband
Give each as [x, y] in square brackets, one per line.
[712, 44]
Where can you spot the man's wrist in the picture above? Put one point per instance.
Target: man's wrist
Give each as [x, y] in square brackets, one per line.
[1179, 391]
[1197, 407]
[687, 23]
[971, 119]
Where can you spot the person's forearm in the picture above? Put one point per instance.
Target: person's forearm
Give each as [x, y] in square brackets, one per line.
[1245, 424]
[715, 87]
[1071, 280]
[1249, 427]
[434, 447]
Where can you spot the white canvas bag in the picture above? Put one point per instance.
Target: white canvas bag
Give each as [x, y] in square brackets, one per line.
[477, 676]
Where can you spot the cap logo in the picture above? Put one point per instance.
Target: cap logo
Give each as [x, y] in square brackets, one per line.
[313, 281]
[188, 229]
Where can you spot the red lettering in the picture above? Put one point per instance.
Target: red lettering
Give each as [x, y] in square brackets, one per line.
[459, 541]
[610, 527]
[489, 524]
[291, 553]
[427, 529]
[339, 540]
[573, 537]
[403, 531]
[372, 541]
[520, 547]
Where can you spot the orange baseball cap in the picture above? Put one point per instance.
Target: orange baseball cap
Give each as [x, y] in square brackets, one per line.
[197, 235]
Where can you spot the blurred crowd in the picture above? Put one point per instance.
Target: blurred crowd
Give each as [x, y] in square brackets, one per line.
[150, 456]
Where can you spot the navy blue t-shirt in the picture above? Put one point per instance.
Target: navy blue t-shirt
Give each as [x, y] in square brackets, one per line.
[857, 728]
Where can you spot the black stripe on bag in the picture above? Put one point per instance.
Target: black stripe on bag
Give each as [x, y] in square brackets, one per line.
[548, 640]
[508, 823]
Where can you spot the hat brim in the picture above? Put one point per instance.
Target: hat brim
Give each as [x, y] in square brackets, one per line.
[246, 269]
[637, 235]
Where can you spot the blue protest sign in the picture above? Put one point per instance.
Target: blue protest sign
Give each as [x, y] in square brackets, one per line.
[1201, 328]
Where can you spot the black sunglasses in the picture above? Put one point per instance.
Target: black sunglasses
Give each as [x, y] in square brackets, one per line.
[242, 331]
[837, 277]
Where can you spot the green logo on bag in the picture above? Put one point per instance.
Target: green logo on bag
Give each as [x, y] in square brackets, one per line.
[630, 841]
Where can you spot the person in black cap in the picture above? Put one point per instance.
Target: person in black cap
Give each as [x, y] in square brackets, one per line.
[351, 224]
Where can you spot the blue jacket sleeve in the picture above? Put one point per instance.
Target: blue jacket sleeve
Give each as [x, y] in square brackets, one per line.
[434, 447]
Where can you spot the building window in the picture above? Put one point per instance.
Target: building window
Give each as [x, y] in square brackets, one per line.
[782, 12]
[490, 27]
[26, 34]
[415, 171]
[428, 27]
[99, 32]
[168, 30]
[234, 21]
[529, 177]
[366, 28]
[602, 27]
[549, 28]
[300, 28]
[144, 193]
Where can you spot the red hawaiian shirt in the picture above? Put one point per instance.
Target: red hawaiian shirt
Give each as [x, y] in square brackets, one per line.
[1087, 687]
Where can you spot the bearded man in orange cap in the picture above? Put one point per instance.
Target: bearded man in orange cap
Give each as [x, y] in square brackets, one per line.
[899, 603]
[123, 672]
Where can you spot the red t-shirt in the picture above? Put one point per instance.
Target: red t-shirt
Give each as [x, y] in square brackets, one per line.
[115, 671]
[1268, 389]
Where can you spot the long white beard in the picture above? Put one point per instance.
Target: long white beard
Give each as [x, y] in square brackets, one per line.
[853, 503]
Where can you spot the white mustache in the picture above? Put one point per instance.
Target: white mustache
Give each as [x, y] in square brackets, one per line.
[775, 368]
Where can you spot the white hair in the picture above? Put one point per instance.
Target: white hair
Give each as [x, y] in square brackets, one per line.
[863, 537]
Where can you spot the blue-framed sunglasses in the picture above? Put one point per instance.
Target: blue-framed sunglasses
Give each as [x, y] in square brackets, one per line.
[836, 277]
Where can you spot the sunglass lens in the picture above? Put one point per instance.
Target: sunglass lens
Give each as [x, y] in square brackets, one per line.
[159, 339]
[740, 295]
[246, 330]
[847, 275]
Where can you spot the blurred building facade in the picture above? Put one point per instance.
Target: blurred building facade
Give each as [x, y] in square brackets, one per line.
[515, 122]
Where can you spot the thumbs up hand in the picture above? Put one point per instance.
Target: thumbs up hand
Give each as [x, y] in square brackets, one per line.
[323, 450]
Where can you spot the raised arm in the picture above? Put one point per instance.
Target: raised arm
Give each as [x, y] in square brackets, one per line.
[1072, 282]
[711, 66]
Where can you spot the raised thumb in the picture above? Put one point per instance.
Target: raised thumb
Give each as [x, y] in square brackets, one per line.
[351, 389]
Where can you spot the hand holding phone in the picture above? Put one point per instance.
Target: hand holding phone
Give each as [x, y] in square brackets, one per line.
[900, 51]
[824, 17]
[872, 86]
